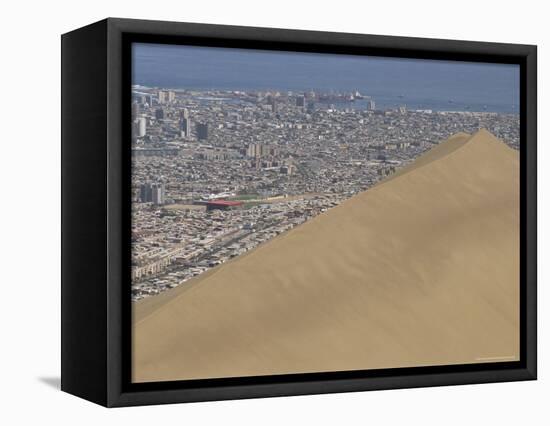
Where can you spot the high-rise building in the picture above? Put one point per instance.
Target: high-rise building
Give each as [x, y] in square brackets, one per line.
[185, 127]
[152, 193]
[371, 105]
[310, 107]
[135, 109]
[139, 127]
[185, 123]
[158, 194]
[142, 126]
[202, 131]
[272, 102]
[166, 97]
[300, 101]
[159, 114]
[162, 97]
[145, 193]
[257, 150]
[251, 150]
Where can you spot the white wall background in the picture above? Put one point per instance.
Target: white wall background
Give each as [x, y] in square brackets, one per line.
[30, 194]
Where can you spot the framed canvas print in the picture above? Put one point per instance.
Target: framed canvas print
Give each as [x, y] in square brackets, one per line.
[253, 212]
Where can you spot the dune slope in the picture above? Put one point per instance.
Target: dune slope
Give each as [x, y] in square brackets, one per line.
[422, 269]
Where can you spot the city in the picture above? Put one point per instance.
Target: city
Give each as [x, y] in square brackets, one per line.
[215, 173]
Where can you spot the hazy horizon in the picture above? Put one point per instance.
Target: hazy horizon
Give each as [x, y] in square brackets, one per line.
[419, 83]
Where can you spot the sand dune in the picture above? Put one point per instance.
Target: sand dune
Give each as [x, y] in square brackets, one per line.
[422, 269]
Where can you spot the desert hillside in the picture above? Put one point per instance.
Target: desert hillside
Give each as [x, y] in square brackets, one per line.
[422, 269]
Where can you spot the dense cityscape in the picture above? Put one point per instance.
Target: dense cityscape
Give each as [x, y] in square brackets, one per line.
[216, 173]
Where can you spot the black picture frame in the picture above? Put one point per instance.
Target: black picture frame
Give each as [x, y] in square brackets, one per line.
[96, 212]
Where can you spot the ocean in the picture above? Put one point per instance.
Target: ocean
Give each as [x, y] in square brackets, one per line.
[391, 82]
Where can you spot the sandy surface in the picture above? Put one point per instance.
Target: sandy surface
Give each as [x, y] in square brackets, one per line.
[422, 269]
